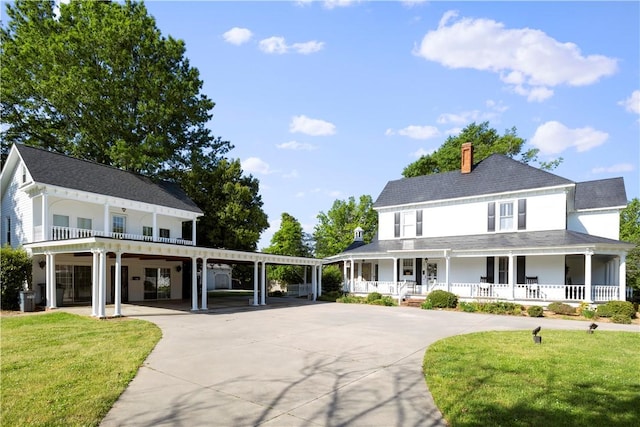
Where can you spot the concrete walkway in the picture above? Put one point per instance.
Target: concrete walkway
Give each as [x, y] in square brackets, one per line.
[300, 364]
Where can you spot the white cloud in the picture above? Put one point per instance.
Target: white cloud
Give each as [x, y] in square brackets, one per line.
[419, 132]
[412, 3]
[295, 145]
[553, 138]
[618, 168]
[274, 44]
[291, 175]
[237, 36]
[300, 194]
[529, 61]
[332, 4]
[308, 47]
[632, 104]
[462, 118]
[313, 127]
[278, 45]
[255, 165]
[421, 152]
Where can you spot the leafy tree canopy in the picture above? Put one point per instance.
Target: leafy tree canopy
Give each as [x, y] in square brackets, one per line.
[486, 141]
[334, 231]
[288, 240]
[100, 82]
[630, 232]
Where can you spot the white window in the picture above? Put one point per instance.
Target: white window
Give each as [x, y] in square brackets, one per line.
[119, 224]
[409, 224]
[60, 221]
[506, 216]
[84, 223]
[407, 267]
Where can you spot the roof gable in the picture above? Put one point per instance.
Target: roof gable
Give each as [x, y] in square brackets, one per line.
[495, 174]
[51, 168]
[603, 193]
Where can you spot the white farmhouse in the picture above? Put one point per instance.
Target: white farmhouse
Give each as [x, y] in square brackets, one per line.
[498, 230]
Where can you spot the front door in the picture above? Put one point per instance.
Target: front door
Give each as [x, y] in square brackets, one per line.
[430, 274]
[124, 278]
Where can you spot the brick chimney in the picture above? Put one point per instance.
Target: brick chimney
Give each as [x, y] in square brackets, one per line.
[467, 158]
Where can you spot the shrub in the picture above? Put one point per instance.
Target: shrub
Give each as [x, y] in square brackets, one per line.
[15, 271]
[467, 307]
[621, 318]
[442, 299]
[561, 308]
[535, 311]
[589, 314]
[612, 308]
[373, 296]
[331, 279]
[330, 296]
[426, 305]
[351, 299]
[499, 308]
[386, 300]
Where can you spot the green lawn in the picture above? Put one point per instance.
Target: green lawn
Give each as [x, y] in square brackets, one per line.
[59, 369]
[504, 379]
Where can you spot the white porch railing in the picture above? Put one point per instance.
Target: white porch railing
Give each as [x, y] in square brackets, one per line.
[65, 233]
[495, 291]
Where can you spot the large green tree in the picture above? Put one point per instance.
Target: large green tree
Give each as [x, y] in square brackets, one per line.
[486, 141]
[289, 240]
[334, 231]
[630, 232]
[98, 81]
[233, 216]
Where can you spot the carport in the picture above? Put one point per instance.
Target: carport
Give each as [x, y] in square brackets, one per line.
[110, 252]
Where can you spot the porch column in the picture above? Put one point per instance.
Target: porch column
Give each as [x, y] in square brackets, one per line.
[511, 278]
[107, 225]
[204, 284]
[45, 216]
[587, 276]
[95, 278]
[314, 283]
[263, 284]
[117, 297]
[102, 284]
[395, 273]
[193, 231]
[447, 267]
[622, 277]
[319, 279]
[352, 284]
[344, 274]
[154, 232]
[255, 282]
[194, 284]
[51, 280]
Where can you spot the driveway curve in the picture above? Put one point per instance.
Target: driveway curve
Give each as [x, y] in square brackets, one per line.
[315, 364]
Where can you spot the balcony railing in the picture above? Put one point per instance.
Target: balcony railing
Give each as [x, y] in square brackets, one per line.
[494, 291]
[66, 233]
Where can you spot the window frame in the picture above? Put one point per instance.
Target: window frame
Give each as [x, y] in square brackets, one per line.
[505, 220]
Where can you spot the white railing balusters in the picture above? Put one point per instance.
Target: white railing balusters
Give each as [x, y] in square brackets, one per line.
[65, 233]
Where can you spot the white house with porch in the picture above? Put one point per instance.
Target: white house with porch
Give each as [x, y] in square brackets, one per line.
[495, 230]
[100, 235]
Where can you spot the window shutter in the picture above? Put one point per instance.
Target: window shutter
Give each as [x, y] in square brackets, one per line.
[490, 269]
[396, 229]
[491, 217]
[419, 223]
[522, 214]
[520, 269]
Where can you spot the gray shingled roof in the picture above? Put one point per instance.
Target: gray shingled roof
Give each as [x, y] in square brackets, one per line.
[602, 193]
[520, 240]
[57, 169]
[495, 174]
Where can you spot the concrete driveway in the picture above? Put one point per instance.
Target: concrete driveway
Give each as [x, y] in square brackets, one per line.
[315, 364]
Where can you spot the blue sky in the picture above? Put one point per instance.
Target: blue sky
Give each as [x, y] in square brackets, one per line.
[327, 100]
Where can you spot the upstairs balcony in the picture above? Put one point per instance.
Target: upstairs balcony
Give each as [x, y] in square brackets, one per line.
[67, 233]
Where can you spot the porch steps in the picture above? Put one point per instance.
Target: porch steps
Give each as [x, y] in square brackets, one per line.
[412, 302]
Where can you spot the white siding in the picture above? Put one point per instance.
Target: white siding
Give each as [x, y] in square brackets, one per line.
[17, 206]
[544, 212]
[597, 223]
